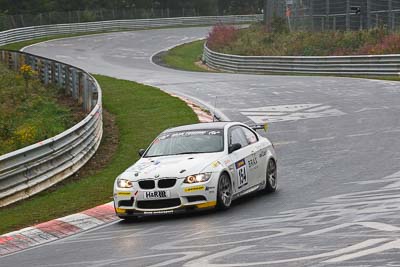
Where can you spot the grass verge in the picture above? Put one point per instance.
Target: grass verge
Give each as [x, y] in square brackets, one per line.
[141, 113]
[184, 57]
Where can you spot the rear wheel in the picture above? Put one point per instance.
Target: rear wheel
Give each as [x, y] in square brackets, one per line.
[271, 176]
[224, 192]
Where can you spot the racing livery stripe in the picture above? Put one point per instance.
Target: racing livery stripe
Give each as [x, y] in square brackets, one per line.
[194, 189]
[207, 205]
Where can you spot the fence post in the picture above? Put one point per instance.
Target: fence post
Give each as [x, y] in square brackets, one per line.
[312, 16]
[390, 9]
[327, 11]
[347, 15]
[334, 23]
[369, 24]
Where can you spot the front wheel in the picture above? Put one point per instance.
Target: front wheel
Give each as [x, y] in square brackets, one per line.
[271, 177]
[224, 192]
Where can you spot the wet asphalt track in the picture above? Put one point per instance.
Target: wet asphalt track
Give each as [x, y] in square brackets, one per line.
[338, 142]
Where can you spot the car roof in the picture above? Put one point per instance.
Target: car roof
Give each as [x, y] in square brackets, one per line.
[199, 126]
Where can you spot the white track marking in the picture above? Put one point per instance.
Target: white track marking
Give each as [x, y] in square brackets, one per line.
[360, 134]
[285, 143]
[373, 225]
[205, 261]
[387, 246]
[282, 113]
[323, 139]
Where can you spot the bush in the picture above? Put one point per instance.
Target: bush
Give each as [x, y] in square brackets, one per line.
[257, 40]
[221, 36]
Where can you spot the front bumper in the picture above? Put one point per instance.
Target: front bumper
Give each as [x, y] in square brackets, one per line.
[181, 198]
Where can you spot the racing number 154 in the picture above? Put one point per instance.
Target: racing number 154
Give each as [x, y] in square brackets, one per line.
[241, 172]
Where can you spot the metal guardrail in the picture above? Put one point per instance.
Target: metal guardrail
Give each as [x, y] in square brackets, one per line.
[35, 168]
[375, 65]
[30, 170]
[28, 33]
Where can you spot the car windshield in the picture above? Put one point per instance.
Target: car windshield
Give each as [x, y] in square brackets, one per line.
[187, 142]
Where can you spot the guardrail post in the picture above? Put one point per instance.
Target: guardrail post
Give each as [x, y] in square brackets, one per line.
[67, 81]
[59, 75]
[80, 88]
[86, 94]
[74, 84]
[95, 94]
[53, 72]
[46, 73]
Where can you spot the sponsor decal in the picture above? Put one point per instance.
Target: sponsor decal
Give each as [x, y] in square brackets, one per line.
[241, 171]
[156, 194]
[190, 133]
[194, 189]
[159, 212]
[124, 194]
[252, 162]
[215, 164]
[263, 153]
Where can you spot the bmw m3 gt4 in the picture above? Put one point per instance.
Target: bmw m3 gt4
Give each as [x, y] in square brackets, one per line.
[199, 166]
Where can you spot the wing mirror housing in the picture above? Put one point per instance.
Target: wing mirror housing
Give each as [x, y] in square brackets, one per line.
[141, 152]
[232, 148]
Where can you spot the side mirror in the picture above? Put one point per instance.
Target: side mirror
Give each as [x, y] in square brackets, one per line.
[141, 152]
[232, 148]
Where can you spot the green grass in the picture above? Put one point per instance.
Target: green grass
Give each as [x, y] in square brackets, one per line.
[185, 56]
[141, 112]
[29, 114]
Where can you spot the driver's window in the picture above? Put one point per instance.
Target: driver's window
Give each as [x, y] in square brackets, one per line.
[250, 136]
[237, 137]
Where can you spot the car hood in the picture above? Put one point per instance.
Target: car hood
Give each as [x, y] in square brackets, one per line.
[170, 166]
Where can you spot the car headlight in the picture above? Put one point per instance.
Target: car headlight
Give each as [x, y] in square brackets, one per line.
[123, 183]
[197, 178]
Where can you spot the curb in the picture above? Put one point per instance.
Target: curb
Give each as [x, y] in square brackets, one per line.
[72, 224]
[56, 229]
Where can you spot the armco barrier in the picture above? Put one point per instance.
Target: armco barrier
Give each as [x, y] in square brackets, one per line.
[28, 33]
[32, 169]
[376, 65]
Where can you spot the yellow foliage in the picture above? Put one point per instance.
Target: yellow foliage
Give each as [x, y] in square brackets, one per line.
[27, 72]
[25, 134]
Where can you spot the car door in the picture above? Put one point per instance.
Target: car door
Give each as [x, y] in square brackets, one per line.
[258, 162]
[243, 175]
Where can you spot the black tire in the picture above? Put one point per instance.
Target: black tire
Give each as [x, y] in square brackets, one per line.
[271, 178]
[224, 192]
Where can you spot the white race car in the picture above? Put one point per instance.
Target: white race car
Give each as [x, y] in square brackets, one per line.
[193, 167]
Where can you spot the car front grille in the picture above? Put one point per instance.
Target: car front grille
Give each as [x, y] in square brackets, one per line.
[147, 184]
[166, 183]
[159, 204]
